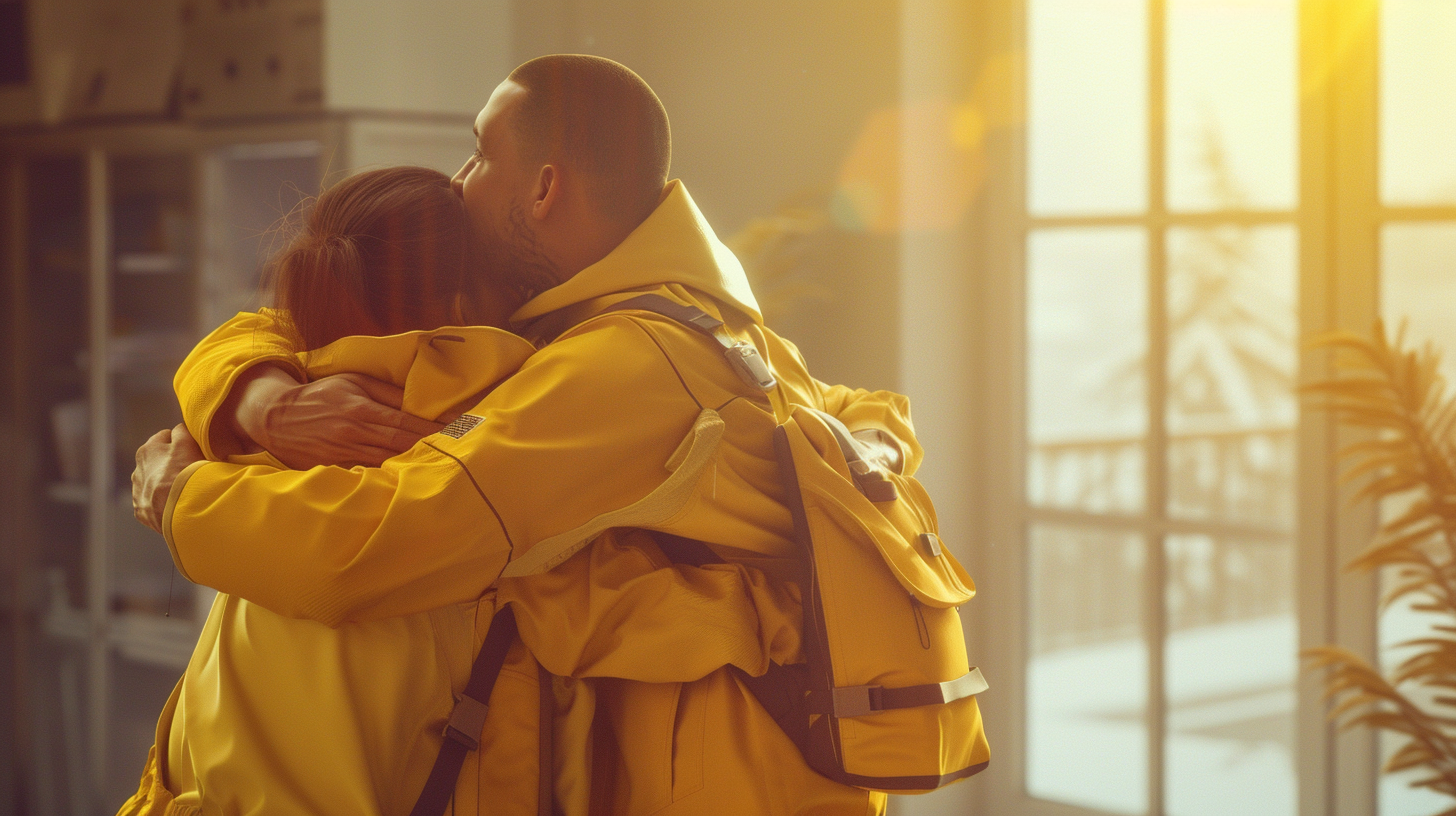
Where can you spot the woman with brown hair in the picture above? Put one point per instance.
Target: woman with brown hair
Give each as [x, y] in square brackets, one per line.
[276, 715]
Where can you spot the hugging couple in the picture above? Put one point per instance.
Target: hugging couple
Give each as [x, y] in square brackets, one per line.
[454, 411]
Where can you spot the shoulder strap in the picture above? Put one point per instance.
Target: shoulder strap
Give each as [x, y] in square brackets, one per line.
[744, 358]
[462, 731]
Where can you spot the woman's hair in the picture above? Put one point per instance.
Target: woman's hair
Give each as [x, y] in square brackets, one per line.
[381, 252]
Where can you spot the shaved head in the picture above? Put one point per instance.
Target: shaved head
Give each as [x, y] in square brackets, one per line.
[599, 118]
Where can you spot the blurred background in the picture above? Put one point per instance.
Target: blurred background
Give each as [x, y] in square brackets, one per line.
[1086, 237]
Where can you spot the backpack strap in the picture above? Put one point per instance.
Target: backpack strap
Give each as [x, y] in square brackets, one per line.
[857, 701]
[467, 719]
[743, 357]
[871, 482]
[546, 744]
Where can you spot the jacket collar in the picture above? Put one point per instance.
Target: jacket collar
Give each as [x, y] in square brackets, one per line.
[674, 245]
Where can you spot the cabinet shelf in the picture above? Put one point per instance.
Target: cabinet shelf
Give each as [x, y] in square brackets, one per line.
[145, 638]
[153, 639]
[150, 263]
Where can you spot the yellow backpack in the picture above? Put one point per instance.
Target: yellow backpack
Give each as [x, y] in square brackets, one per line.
[886, 698]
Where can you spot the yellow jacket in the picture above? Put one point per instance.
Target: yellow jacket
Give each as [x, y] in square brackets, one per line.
[617, 421]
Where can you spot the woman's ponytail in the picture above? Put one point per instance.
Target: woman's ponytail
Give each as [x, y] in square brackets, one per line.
[383, 252]
[320, 288]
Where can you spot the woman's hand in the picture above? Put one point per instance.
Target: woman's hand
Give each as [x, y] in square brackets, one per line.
[346, 419]
[158, 461]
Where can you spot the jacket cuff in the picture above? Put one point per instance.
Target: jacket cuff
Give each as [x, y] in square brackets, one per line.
[288, 362]
[170, 510]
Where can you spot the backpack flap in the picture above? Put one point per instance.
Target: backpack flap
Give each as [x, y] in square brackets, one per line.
[890, 679]
[903, 529]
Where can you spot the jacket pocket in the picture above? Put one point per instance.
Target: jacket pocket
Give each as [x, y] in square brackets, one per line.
[688, 740]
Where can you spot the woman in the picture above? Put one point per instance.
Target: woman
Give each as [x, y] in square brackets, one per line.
[277, 716]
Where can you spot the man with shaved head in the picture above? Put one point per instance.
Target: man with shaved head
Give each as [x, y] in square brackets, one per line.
[593, 120]
[623, 418]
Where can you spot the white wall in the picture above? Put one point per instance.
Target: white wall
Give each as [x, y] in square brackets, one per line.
[936, 290]
[766, 99]
[427, 56]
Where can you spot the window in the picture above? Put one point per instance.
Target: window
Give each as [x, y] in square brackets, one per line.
[1160, 365]
[1203, 184]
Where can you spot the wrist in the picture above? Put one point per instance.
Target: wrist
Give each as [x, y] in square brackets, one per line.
[259, 392]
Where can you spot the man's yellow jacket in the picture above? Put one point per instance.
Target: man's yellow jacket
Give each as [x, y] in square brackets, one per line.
[618, 420]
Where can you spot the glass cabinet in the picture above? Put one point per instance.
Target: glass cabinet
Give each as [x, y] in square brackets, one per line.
[125, 244]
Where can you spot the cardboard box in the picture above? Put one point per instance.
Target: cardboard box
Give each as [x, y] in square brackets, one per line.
[251, 57]
[96, 58]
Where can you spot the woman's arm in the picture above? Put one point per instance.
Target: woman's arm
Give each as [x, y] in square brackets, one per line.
[243, 388]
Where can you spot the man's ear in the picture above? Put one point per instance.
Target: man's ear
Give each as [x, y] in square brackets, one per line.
[548, 186]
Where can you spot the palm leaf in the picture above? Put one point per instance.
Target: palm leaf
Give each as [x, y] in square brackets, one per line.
[1397, 397]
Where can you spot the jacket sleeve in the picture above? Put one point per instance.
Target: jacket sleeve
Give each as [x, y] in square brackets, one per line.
[206, 377]
[588, 425]
[620, 609]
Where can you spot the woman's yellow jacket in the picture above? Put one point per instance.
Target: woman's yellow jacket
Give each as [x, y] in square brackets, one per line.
[618, 420]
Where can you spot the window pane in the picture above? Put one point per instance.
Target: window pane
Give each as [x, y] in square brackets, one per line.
[1231, 104]
[1231, 370]
[1231, 666]
[1086, 696]
[1087, 89]
[1418, 101]
[1418, 286]
[1087, 350]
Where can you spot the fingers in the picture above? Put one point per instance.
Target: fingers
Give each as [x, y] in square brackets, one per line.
[381, 392]
[411, 424]
[182, 438]
[391, 428]
[136, 494]
[342, 419]
[156, 464]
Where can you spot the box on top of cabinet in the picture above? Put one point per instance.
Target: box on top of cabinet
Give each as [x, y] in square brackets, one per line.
[96, 58]
[251, 57]
[242, 59]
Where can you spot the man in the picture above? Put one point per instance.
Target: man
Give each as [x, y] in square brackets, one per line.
[620, 419]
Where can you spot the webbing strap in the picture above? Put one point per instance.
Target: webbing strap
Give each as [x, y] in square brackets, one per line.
[546, 744]
[858, 701]
[689, 316]
[871, 482]
[462, 731]
[743, 357]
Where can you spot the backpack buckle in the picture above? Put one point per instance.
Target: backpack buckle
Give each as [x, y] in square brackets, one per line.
[854, 701]
[872, 483]
[750, 366]
[467, 720]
